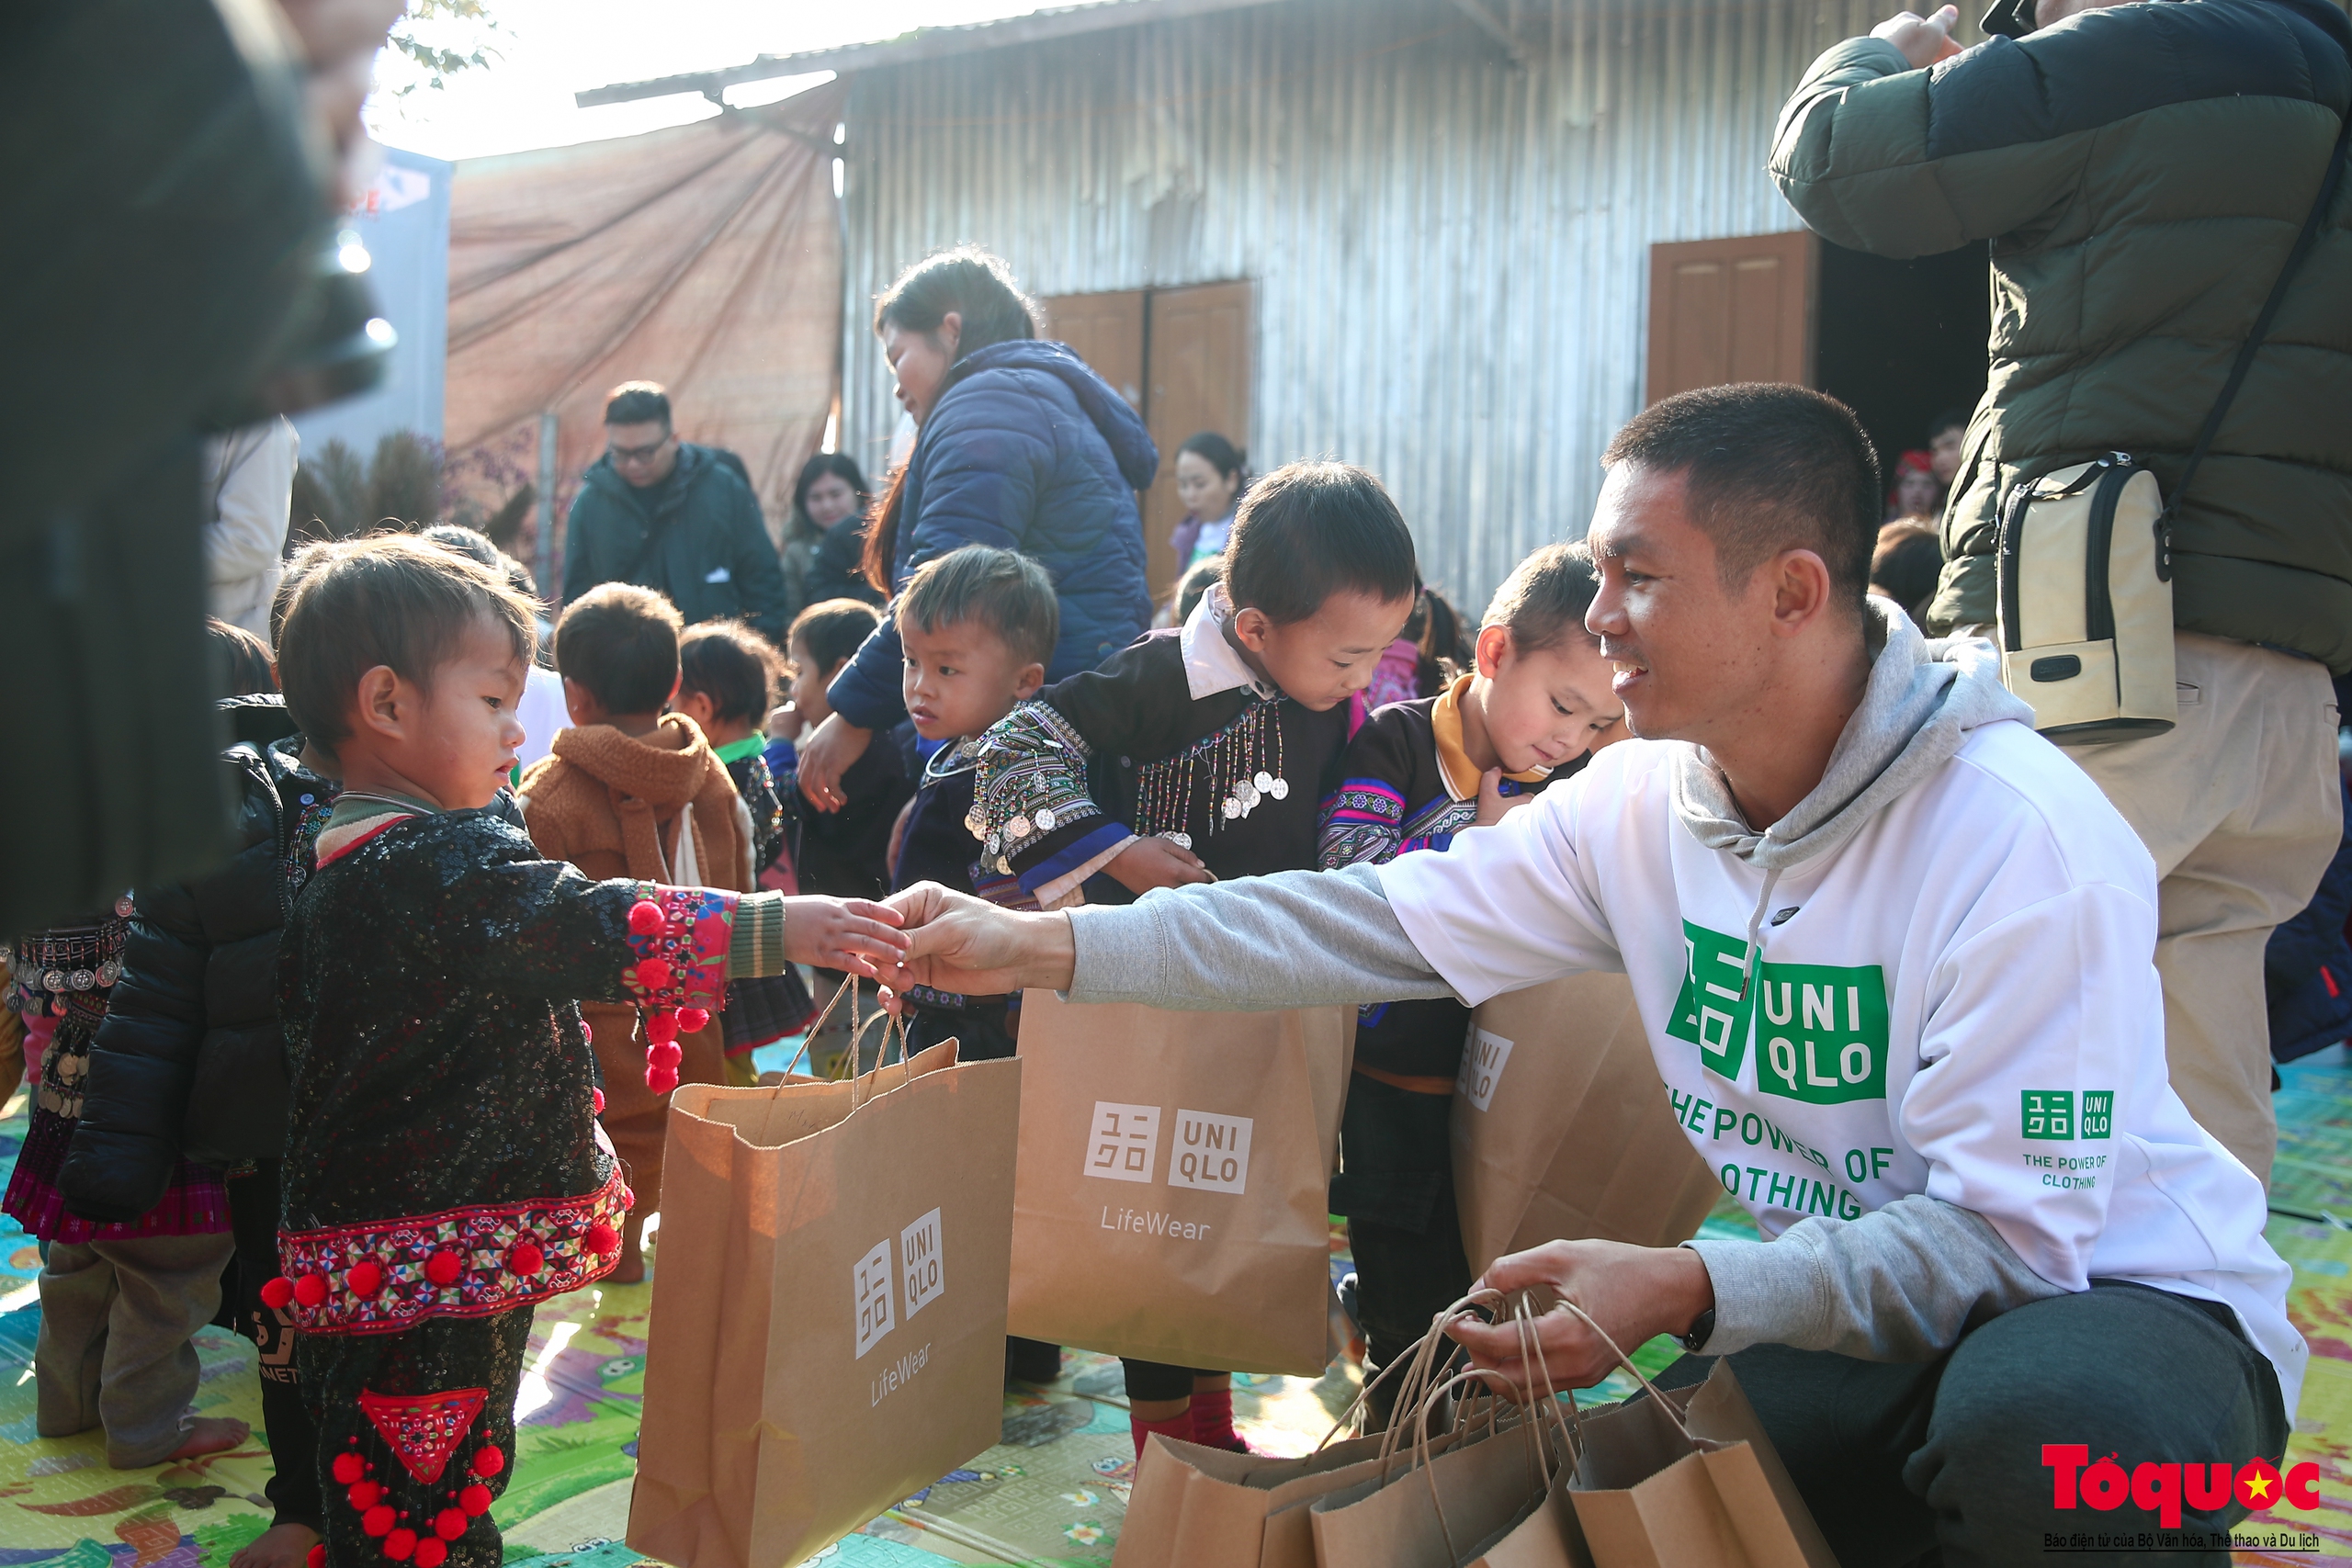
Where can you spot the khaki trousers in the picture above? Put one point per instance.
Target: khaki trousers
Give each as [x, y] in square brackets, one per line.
[2239, 804]
[113, 1346]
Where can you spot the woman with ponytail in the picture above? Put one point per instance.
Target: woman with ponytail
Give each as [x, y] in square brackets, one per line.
[1020, 447]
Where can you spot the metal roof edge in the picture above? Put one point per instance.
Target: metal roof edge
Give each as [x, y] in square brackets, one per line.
[924, 43]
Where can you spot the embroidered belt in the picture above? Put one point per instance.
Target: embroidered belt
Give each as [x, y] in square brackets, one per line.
[382, 1276]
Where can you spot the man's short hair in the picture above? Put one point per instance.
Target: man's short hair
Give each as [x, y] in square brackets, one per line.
[833, 629]
[638, 402]
[1770, 467]
[1310, 530]
[732, 665]
[620, 642]
[1002, 589]
[389, 599]
[1543, 602]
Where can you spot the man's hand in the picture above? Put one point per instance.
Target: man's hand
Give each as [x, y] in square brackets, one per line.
[854, 934]
[1493, 804]
[826, 755]
[1923, 40]
[1633, 1293]
[1149, 862]
[957, 942]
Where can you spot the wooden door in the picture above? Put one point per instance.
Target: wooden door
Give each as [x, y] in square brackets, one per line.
[1724, 311]
[1202, 368]
[1107, 332]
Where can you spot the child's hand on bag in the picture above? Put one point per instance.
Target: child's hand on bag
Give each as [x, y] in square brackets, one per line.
[957, 942]
[1147, 863]
[1634, 1294]
[853, 934]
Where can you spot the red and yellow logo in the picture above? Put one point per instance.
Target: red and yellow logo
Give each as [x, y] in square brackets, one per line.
[2105, 1485]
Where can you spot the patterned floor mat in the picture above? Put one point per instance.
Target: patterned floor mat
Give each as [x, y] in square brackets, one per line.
[1052, 1492]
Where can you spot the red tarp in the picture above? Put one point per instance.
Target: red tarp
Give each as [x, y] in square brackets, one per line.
[706, 257]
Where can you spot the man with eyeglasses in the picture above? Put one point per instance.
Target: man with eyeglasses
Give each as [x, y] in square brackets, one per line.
[673, 517]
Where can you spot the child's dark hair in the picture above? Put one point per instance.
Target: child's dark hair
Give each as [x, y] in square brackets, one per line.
[1543, 602]
[388, 599]
[1436, 628]
[833, 629]
[1003, 590]
[1195, 582]
[732, 665]
[620, 642]
[242, 659]
[1309, 530]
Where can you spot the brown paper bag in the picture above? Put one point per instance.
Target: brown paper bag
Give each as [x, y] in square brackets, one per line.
[1696, 1486]
[1172, 1197]
[1436, 1514]
[828, 1323]
[1562, 1129]
[1192, 1506]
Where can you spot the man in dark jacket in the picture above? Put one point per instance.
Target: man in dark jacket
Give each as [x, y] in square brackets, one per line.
[2142, 171]
[671, 516]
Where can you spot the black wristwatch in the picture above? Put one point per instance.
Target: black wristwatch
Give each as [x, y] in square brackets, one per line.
[1702, 1328]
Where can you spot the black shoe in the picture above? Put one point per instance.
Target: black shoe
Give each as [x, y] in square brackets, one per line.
[1031, 1361]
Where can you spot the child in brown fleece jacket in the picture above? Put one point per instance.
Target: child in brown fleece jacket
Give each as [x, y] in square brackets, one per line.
[631, 790]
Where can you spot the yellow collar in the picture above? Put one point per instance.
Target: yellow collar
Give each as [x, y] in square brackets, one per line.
[1461, 773]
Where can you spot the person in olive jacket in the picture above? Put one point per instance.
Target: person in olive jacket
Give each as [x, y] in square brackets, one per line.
[2142, 173]
[674, 517]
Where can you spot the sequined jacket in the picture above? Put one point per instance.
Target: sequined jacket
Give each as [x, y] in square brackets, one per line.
[1126, 749]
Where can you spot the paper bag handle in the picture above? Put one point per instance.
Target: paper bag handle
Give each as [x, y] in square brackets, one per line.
[857, 1027]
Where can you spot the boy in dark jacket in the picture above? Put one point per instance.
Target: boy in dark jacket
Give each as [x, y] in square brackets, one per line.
[1416, 774]
[1204, 753]
[443, 1171]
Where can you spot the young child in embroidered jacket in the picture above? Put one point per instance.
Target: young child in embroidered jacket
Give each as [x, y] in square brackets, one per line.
[727, 676]
[1416, 774]
[444, 1170]
[1213, 745]
[631, 790]
[978, 625]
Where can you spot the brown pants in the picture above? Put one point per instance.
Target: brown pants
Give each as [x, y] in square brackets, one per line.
[635, 1119]
[2238, 803]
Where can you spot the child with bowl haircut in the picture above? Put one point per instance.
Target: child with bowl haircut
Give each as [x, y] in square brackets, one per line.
[1536, 702]
[1213, 747]
[444, 1171]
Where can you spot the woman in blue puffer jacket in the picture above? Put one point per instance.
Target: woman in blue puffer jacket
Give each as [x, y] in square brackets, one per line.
[1022, 447]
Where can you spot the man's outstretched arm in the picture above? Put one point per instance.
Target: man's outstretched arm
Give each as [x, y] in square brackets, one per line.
[1295, 938]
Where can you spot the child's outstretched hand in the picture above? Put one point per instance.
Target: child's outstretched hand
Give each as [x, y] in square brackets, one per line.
[1493, 804]
[1150, 862]
[855, 934]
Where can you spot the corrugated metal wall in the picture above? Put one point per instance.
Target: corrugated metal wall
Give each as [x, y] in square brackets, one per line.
[1450, 251]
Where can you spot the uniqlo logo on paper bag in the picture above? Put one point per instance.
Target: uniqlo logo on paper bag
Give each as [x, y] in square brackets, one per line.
[870, 1282]
[1210, 1152]
[919, 1262]
[1123, 1142]
[1482, 1067]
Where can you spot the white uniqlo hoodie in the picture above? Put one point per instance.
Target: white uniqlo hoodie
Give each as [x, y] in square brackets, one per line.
[1915, 1028]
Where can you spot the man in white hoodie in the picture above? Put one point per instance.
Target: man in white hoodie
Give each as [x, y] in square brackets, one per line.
[1912, 1019]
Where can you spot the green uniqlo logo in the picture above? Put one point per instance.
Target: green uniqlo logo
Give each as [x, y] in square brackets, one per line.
[2050, 1112]
[1821, 1033]
[2099, 1113]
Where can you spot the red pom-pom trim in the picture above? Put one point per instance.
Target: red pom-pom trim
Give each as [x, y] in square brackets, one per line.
[475, 1500]
[693, 1020]
[311, 1290]
[443, 1267]
[278, 1294]
[316, 1557]
[662, 1026]
[596, 1100]
[431, 1554]
[587, 1032]
[378, 1520]
[364, 1494]
[348, 1468]
[399, 1544]
[645, 918]
[449, 1524]
[603, 1239]
[660, 1080]
[667, 1054]
[364, 1278]
[488, 1461]
[526, 1259]
[653, 973]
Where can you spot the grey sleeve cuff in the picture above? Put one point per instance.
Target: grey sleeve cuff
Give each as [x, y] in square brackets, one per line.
[1295, 938]
[1899, 1284]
